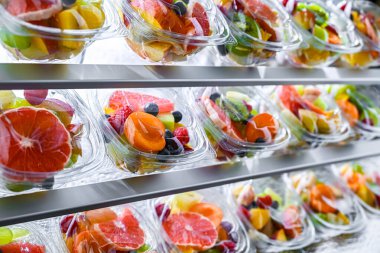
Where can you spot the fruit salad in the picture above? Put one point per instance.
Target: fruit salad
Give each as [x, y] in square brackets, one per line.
[273, 214]
[50, 30]
[44, 137]
[326, 33]
[238, 121]
[366, 18]
[199, 222]
[330, 204]
[311, 115]
[117, 229]
[150, 129]
[260, 29]
[171, 30]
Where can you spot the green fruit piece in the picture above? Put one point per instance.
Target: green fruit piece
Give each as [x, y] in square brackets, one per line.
[6, 236]
[321, 14]
[19, 187]
[320, 33]
[19, 233]
[358, 168]
[300, 89]
[7, 99]
[308, 119]
[323, 126]
[236, 109]
[214, 250]
[293, 123]
[21, 102]
[320, 103]
[273, 195]
[372, 114]
[237, 95]
[73, 160]
[254, 112]
[343, 89]
[239, 50]
[143, 248]
[15, 41]
[322, 216]
[301, 6]
[167, 119]
[332, 218]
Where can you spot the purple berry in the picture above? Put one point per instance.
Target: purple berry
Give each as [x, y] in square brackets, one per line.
[162, 211]
[35, 97]
[69, 225]
[227, 226]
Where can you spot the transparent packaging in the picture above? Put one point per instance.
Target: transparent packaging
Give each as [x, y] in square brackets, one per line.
[238, 121]
[199, 221]
[149, 130]
[43, 31]
[117, 229]
[331, 206]
[360, 106]
[326, 32]
[48, 139]
[272, 214]
[260, 29]
[312, 116]
[171, 30]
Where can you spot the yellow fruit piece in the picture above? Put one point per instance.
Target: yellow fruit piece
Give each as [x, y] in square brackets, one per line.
[7, 99]
[323, 126]
[93, 16]
[343, 218]
[281, 236]
[156, 51]
[183, 201]
[308, 119]
[259, 217]
[366, 195]
[342, 96]
[150, 19]
[360, 59]
[37, 49]
[108, 110]
[71, 20]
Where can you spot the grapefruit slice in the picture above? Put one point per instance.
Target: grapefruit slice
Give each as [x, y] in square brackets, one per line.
[22, 247]
[199, 13]
[33, 140]
[190, 230]
[137, 101]
[33, 10]
[100, 215]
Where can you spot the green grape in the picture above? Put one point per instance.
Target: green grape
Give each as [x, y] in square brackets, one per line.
[15, 41]
[19, 233]
[6, 236]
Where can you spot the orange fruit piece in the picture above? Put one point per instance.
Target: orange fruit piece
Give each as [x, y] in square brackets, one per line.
[145, 132]
[318, 193]
[33, 140]
[210, 211]
[260, 126]
[349, 110]
[100, 215]
[89, 241]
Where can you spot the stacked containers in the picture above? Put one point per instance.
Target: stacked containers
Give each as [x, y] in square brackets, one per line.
[48, 139]
[326, 32]
[238, 121]
[260, 28]
[273, 214]
[48, 31]
[149, 130]
[166, 30]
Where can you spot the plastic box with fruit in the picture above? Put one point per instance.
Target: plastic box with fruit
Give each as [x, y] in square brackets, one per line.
[272, 213]
[326, 32]
[260, 28]
[332, 207]
[117, 229]
[149, 130]
[54, 30]
[172, 30]
[238, 121]
[48, 139]
[312, 116]
[199, 222]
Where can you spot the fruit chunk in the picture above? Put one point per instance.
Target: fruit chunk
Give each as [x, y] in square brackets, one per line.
[89, 240]
[318, 194]
[6, 236]
[100, 215]
[280, 235]
[37, 50]
[15, 41]
[366, 195]
[93, 16]
[63, 110]
[309, 120]
[33, 10]
[274, 195]
[7, 99]
[210, 211]
[168, 120]
[262, 126]
[200, 14]
[259, 217]
[35, 97]
[70, 19]
[22, 247]
[182, 202]
[157, 51]
[349, 110]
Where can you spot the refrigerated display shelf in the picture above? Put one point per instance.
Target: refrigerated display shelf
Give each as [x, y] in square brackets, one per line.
[40, 205]
[74, 76]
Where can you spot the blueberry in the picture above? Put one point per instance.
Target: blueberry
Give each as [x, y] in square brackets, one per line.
[174, 146]
[214, 96]
[227, 226]
[180, 8]
[151, 108]
[241, 154]
[48, 183]
[253, 204]
[107, 116]
[275, 204]
[164, 152]
[222, 49]
[260, 140]
[177, 116]
[168, 134]
[233, 236]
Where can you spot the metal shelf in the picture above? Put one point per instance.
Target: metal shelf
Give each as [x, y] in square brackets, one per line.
[40, 205]
[78, 76]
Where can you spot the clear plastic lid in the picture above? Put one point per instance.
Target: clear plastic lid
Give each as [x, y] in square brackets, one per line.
[117, 229]
[239, 120]
[48, 139]
[199, 222]
[149, 129]
[331, 206]
[312, 116]
[363, 179]
[273, 213]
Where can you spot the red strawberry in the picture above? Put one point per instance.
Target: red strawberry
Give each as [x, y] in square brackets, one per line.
[182, 135]
[264, 202]
[244, 211]
[118, 119]
[69, 225]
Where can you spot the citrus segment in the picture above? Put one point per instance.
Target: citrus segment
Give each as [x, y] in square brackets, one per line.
[22, 247]
[100, 215]
[31, 10]
[210, 211]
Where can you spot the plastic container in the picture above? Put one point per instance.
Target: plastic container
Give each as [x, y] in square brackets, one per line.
[326, 32]
[117, 229]
[138, 141]
[312, 116]
[363, 179]
[199, 221]
[167, 31]
[260, 29]
[27, 237]
[366, 17]
[272, 214]
[238, 121]
[48, 139]
[48, 31]
[332, 207]
[360, 106]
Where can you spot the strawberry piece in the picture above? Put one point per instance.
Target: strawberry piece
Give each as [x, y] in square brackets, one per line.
[118, 119]
[69, 225]
[264, 202]
[182, 135]
[244, 211]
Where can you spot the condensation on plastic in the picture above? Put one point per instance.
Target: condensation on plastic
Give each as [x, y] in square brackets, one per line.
[79, 223]
[157, 44]
[49, 43]
[344, 202]
[339, 129]
[90, 154]
[325, 52]
[130, 159]
[223, 141]
[261, 51]
[211, 196]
